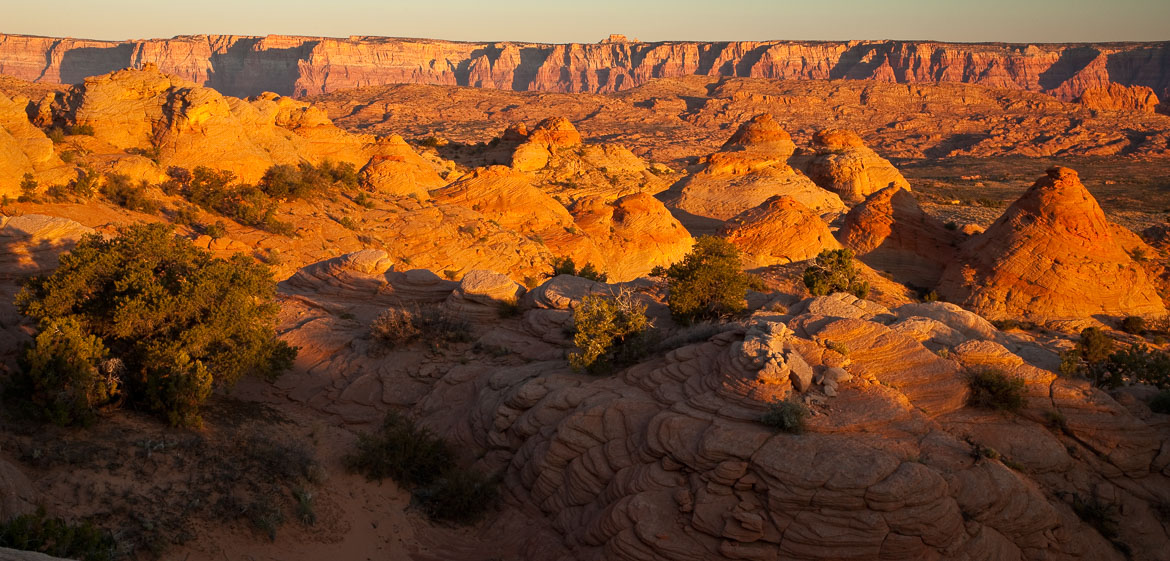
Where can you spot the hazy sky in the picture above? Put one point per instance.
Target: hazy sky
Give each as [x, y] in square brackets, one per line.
[555, 21]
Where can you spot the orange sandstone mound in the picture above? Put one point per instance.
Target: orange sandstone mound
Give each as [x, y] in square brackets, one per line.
[1116, 97]
[23, 148]
[844, 165]
[397, 169]
[508, 197]
[891, 233]
[777, 232]
[185, 124]
[748, 170]
[634, 234]
[1051, 256]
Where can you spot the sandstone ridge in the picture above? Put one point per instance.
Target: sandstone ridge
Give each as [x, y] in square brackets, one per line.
[288, 65]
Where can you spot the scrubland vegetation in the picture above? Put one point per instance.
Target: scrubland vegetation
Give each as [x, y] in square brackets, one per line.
[144, 319]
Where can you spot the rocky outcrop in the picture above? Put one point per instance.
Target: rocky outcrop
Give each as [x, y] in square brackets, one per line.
[543, 142]
[396, 168]
[750, 168]
[24, 148]
[634, 233]
[1052, 256]
[191, 125]
[244, 66]
[1116, 97]
[777, 232]
[891, 233]
[843, 164]
[508, 197]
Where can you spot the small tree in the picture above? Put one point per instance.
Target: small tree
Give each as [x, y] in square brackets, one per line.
[178, 319]
[709, 283]
[785, 416]
[609, 331]
[61, 378]
[994, 389]
[834, 271]
[566, 266]
[1087, 357]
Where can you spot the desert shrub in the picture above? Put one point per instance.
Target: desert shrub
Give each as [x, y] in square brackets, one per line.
[120, 190]
[834, 271]
[459, 496]
[64, 377]
[402, 451]
[994, 389]
[363, 200]
[1161, 402]
[785, 416]
[81, 130]
[180, 320]
[1009, 324]
[216, 230]
[398, 326]
[566, 266]
[1102, 516]
[609, 331]
[1133, 325]
[1091, 350]
[58, 538]
[305, 180]
[709, 283]
[28, 189]
[1135, 364]
[414, 457]
[56, 134]
[82, 187]
[217, 191]
[837, 346]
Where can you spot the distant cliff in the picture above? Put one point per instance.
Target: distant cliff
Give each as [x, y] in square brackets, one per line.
[244, 66]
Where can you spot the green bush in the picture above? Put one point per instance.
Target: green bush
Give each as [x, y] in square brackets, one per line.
[401, 451]
[120, 190]
[217, 191]
[1133, 325]
[28, 189]
[398, 326]
[834, 271]
[58, 538]
[1161, 402]
[1135, 364]
[609, 331]
[786, 416]
[180, 320]
[709, 283]
[416, 458]
[305, 180]
[61, 378]
[994, 389]
[566, 266]
[1091, 351]
[458, 496]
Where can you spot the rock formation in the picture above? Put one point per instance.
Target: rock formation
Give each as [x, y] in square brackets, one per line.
[751, 167]
[891, 233]
[844, 165]
[777, 232]
[191, 125]
[1116, 97]
[1051, 256]
[395, 168]
[23, 148]
[245, 66]
[634, 233]
[668, 459]
[508, 197]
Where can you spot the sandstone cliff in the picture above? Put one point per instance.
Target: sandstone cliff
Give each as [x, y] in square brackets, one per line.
[243, 66]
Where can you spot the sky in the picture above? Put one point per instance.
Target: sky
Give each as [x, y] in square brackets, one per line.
[581, 21]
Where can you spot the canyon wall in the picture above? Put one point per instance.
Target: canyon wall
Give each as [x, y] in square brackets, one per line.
[245, 66]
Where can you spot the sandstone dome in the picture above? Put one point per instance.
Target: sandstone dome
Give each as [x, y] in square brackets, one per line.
[844, 165]
[1052, 256]
[891, 233]
[777, 232]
